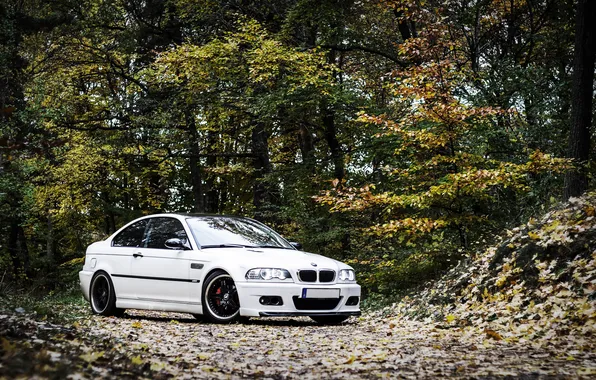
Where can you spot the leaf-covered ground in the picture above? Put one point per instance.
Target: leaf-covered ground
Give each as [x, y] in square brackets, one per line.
[162, 345]
[538, 286]
[525, 308]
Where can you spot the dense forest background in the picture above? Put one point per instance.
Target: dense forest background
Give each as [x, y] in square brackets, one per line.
[398, 136]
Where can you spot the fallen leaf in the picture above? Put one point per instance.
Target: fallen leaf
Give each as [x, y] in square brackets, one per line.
[493, 334]
[350, 360]
[90, 357]
[136, 360]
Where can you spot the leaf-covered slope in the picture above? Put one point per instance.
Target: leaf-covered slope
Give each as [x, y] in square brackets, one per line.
[539, 283]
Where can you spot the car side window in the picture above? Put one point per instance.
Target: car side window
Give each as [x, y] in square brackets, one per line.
[131, 236]
[162, 229]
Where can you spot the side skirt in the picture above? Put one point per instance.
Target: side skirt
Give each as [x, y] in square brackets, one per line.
[148, 304]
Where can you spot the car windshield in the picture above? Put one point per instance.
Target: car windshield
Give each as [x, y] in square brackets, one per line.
[223, 232]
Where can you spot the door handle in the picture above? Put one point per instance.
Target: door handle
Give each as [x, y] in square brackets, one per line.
[137, 254]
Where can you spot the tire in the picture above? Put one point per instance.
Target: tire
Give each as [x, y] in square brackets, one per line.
[118, 312]
[330, 319]
[220, 298]
[102, 296]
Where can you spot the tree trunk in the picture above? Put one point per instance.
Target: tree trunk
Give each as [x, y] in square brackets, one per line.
[17, 248]
[50, 241]
[262, 190]
[330, 133]
[211, 193]
[576, 181]
[196, 179]
[307, 148]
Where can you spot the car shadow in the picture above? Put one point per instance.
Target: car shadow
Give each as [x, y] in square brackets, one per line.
[280, 322]
[160, 318]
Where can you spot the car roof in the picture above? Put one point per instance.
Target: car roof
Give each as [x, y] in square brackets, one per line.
[201, 215]
[196, 215]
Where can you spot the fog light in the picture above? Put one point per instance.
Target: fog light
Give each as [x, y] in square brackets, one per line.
[271, 301]
[352, 301]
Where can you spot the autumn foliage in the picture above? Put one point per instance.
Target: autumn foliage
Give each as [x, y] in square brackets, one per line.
[395, 135]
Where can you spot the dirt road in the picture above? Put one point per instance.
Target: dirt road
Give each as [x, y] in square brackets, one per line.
[165, 345]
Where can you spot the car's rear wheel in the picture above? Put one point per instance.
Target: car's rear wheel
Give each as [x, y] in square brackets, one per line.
[330, 319]
[220, 298]
[103, 296]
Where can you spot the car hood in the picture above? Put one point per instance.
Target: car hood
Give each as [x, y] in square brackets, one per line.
[278, 258]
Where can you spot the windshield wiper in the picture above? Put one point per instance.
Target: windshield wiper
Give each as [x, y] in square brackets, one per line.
[228, 246]
[272, 246]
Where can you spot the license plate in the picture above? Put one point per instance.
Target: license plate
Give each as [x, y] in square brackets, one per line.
[320, 293]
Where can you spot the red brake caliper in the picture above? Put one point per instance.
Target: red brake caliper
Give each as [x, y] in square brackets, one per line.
[217, 300]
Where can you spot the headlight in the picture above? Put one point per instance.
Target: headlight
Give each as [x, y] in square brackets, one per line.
[347, 275]
[268, 274]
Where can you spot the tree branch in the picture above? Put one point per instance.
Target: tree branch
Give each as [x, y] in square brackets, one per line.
[366, 49]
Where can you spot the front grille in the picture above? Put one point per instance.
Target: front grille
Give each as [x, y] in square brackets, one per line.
[326, 276]
[307, 275]
[315, 303]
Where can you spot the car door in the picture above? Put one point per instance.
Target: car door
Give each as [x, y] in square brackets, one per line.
[123, 246]
[162, 272]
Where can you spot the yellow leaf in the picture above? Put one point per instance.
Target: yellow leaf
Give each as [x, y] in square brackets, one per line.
[136, 360]
[450, 318]
[586, 371]
[158, 366]
[136, 325]
[533, 235]
[90, 357]
[350, 360]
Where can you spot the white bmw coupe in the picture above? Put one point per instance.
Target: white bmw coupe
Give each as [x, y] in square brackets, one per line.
[220, 267]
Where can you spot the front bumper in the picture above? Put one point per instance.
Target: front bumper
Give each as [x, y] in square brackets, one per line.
[250, 293]
[298, 314]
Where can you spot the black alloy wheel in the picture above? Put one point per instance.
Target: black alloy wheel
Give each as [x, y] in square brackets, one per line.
[102, 295]
[220, 298]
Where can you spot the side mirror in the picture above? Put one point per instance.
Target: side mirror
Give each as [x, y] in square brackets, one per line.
[175, 243]
[296, 245]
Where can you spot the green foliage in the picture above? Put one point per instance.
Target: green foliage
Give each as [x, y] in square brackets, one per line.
[65, 305]
[393, 135]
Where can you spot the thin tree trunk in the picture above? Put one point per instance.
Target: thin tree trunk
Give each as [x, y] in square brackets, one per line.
[17, 248]
[262, 190]
[211, 193]
[576, 181]
[330, 133]
[50, 242]
[195, 168]
[307, 148]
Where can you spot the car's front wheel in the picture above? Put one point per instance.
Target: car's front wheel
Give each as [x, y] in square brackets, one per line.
[330, 319]
[103, 296]
[220, 298]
